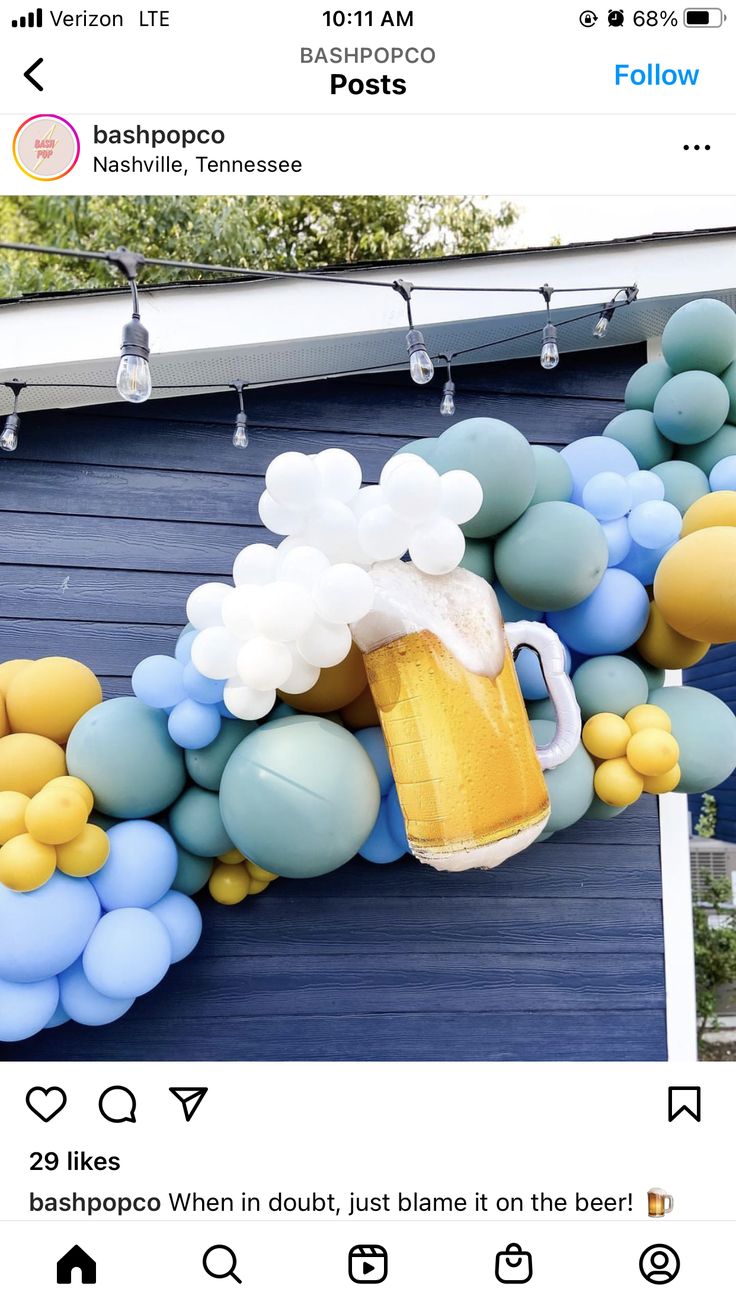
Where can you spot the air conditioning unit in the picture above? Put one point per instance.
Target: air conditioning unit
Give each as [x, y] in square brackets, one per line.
[711, 859]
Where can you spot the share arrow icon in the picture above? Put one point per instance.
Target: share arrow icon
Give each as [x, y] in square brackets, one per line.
[190, 1097]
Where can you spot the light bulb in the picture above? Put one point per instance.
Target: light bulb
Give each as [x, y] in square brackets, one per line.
[550, 356]
[134, 379]
[601, 327]
[9, 438]
[420, 364]
[447, 404]
[240, 435]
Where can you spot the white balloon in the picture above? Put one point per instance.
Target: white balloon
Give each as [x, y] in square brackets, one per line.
[292, 480]
[344, 593]
[413, 490]
[214, 653]
[302, 564]
[461, 495]
[324, 644]
[302, 677]
[382, 535]
[239, 610]
[278, 518]
[285, 610]
[340, 474]
[263, 664]
[204, 606]
[255, 565]
[245, 703]
[368, 497]
[333, 528]
[396, 462]
[437, 547]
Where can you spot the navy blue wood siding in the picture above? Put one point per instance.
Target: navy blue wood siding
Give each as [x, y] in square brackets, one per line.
[717, 673]
[108, 518]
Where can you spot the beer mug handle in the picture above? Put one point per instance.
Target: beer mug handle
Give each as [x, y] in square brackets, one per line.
[669, 1203]
[548, 646]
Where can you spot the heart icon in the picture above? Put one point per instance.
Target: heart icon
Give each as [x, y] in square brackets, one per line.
[46, 1103]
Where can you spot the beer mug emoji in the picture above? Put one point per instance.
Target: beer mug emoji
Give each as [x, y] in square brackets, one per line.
[659, 1203]
[440, 666]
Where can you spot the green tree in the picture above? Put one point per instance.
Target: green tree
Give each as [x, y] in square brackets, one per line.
[715, 949]
[240, 231]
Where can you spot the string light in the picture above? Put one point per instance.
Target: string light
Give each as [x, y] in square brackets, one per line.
[420, 363]
[447, 403]
[240, 435]
[9, 437]
[607, 312]
[550, 354]
[134, 372]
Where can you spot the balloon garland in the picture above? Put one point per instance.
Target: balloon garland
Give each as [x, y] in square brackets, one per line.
[255, 749]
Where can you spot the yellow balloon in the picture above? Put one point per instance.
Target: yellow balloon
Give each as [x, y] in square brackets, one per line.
[616, 783]
[50, 697]
[13, 807]
[8, 671]
[653, 751]
[4, 724]
[335, 688]
[606, 735]
[55, 815]
[229, 885]
[232, 857]
[361, 712]
[76, 784]
[85, 854]
[27, 762]
[695, 585]
[664, 647]
[715, 510]
[648, 715]
[664, 784]
[260, 874]
[26, 864]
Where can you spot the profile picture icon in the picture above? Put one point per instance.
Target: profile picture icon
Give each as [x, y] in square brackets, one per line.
[659, 1264]
[46, 147]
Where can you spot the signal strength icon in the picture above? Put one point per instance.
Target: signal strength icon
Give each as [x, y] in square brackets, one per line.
[33, 19]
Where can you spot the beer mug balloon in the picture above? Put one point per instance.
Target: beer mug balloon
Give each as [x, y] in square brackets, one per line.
[441, 670]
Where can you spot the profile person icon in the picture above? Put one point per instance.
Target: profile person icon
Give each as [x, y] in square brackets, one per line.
[659, 1264]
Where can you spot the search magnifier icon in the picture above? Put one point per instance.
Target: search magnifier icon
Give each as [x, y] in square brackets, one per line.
[220, 1261]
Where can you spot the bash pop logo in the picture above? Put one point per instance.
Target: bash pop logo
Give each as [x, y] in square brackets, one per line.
[46, 147]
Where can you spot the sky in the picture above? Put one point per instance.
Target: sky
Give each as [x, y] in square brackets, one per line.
[590, 218]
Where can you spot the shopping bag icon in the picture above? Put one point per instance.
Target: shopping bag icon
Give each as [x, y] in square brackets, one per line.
[513, 1265]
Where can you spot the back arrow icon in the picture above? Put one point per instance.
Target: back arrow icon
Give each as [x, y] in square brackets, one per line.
[32, 80]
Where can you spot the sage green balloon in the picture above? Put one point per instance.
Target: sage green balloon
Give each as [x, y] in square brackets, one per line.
[645, 384]
[729, 381]
[701, 334]
[478, 558]
[706, 455]
[683, 482]
[600, 812]
[655, 676]
[192, 872]
[552, 558]
[637, 430]
[570, 786]
[206, 766]
[123, 750]
[425, 447]
[541, 709]
[610, 683]
[692, 407]
[705, 729]
[554, 478]
[196, 825]
[502, 460]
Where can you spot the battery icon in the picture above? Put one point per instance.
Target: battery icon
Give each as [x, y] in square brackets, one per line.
[703, 17]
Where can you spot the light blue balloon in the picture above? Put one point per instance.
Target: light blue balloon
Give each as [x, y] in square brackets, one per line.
[26, 1009]
[182, 920]
[140, 867]
[645, 486]
[595, 454]
[529, 672]
[380, 847]
[123, 750]
[371, 738]
[58, 1018]
[44, 931]
[511, 610]
[655, 525]
[619, 540]
[643, 563]
[608, 621]
[192, 872]
[202, 689]
[128, 953]
[396, 822]
[193, 725]
[158, 681]
[723, 476]
[183, 649]
[607, 496]
[86, 1005]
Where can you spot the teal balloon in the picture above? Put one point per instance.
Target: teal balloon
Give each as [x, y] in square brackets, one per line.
[512, 611]
[26, 1009]
[601, 812]
[124, 752]
[706, 455]
[637, 430]
[691, 408]
[552, 558]
[655, 677]
[425, 447]
[502, 460]
[729, 381]
[541, 709]
[478, 558]
[554, 479]
[192, 872]
[701, 334]
[705, 729]
[196, 824]
[645, 384]
[683, 483]
[300, 796]
[609, 683]
[281, 710]
[101, 820]
[206, 766]
[570, 786]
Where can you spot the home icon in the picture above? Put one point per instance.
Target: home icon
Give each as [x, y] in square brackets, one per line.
[76, 1259]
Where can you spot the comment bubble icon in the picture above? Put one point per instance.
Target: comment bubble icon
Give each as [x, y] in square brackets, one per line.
[117, 1104]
